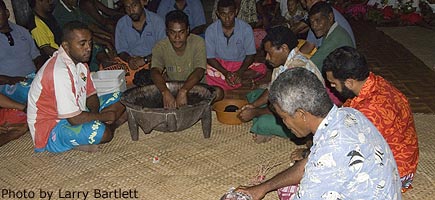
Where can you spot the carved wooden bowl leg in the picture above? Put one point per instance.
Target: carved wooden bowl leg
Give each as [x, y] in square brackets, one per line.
[132, 125]
[206, 122]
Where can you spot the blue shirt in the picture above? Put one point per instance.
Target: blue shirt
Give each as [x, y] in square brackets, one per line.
[338, 17]
[135, 43]
[349, 159]
[193, 10]
[17, 60]
[235, 48]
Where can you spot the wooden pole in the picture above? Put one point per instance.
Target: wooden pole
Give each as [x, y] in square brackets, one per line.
[9, 7]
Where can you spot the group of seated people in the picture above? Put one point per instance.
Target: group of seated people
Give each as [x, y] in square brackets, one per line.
[45, 84]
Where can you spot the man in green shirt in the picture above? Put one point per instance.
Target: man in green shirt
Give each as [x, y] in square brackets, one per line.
[180, 57]
[324, 26]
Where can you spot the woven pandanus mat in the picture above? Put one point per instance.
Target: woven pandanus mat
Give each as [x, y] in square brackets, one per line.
[424, 182]
[189, 167]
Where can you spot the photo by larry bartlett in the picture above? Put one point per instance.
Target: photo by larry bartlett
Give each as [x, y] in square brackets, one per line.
[70, 194]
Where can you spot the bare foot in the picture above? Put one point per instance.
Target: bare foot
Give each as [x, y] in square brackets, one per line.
[261, 138]
[88, 148]
[122, 119]
[18, 129]
[12, 132]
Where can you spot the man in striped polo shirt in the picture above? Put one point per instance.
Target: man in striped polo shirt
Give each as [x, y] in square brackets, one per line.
[64, 111]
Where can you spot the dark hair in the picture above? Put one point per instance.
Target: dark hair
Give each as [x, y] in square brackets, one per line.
[226, 3]
[298, 88]
[321, 7]
[346, 62]
[280, 35]
[177, 16]
[70, 27]
[3, 5]
[32, 3]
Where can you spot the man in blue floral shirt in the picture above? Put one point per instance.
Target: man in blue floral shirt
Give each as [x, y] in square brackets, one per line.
[349, 158]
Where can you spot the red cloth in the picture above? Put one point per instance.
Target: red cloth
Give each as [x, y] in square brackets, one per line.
[216, 78]
[287, 192]
[411, 18]
[259, 35]
[388, 109]
[12, 116]
[388, 12]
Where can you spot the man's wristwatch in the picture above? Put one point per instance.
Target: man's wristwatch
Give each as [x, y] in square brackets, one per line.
[146, 60]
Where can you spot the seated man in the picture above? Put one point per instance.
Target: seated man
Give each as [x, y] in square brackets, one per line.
[67, 11]
[44, 27]
[314, 41]
[137, 33]
[182, 56]
[349, 158]
[64, 111]
[19, 60]
[230, 50]
[281, 53]
[281, 9]
[383, 104]
[333, 36]
[295, 17]
[324, 26]
[246, 11]
[98, 11]
[192, 8]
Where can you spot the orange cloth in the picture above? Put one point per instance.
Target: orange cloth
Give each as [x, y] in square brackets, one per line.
[118, 63]
[388, 109]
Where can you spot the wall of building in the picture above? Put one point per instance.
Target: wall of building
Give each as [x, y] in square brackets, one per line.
[22, 11]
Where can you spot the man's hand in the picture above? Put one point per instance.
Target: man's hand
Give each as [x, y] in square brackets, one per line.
[232, 78]
[250, 105]
[256, 192]
[168, 100]
[135, 62]
[237, 77]
[181, 98]
[229, 78]
[16, 130]
[247, 113]
[16, 79]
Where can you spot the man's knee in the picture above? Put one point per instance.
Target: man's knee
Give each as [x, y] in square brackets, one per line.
[107, 135]
[117, 107]
[219, 93]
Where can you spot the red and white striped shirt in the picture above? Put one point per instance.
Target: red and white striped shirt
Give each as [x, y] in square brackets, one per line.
[59, 91]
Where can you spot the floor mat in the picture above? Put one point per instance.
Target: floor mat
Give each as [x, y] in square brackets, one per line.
[178, 165]
[418, 40]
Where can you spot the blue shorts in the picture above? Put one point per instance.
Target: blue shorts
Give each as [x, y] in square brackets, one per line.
[19, 91]
[65, 136]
